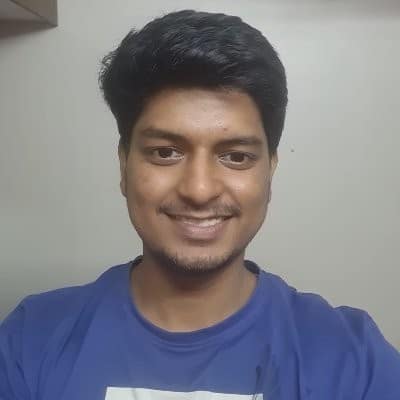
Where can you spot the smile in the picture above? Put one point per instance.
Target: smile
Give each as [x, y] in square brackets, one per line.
[200, 229]
[201, 222]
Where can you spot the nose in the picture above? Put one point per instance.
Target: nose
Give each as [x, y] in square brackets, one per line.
[200, 182]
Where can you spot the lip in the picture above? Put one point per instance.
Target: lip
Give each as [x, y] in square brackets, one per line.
[199, 217]
[192, 231]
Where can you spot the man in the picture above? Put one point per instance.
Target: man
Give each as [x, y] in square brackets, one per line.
[200, 101]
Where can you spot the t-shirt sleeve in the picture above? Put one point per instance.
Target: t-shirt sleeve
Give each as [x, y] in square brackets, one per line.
[379, 368]
[12, 382]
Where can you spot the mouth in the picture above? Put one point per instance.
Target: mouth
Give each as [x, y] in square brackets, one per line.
[195, 228]
[200, 222]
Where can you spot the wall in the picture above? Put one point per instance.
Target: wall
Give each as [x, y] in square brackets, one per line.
[334, 220]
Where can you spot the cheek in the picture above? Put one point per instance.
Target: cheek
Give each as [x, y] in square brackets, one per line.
[145, 187]
[252, 193]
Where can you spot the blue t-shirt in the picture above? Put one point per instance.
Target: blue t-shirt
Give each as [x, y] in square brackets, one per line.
[90, 343]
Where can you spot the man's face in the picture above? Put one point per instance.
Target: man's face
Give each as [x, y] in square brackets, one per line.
[197, 177]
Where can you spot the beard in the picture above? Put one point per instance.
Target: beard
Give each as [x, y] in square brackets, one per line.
[183, 264]
[193, 265]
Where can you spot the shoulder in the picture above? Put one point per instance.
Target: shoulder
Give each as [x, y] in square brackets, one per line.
[58, 304]
[41, 324]
[314, 317]
[337, 343]
[38, 316]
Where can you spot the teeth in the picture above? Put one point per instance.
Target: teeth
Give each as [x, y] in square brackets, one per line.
[201, 222]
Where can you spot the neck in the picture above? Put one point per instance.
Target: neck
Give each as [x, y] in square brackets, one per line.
[179, 302]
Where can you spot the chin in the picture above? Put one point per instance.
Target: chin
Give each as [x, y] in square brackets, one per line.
[195, 264]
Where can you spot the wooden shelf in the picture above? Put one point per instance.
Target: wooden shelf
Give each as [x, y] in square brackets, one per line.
[40, 11]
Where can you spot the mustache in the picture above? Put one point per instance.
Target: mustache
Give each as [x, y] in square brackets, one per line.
[216, 209]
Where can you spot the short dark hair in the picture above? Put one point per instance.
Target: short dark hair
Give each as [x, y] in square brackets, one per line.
[194, 49]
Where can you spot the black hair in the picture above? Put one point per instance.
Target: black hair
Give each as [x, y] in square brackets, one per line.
[194, 49]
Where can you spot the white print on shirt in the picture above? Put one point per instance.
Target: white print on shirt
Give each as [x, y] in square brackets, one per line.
[116, 393]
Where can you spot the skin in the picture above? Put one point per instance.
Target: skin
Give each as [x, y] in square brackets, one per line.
[185, 159]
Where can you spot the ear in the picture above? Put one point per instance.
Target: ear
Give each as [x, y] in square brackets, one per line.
[122, 155]
[273, 163]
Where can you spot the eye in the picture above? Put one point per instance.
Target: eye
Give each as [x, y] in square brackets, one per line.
[165, 155]
[237, 159]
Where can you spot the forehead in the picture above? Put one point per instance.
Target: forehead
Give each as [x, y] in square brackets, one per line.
[201, 115]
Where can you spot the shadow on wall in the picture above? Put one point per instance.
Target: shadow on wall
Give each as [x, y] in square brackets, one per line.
[18, 28]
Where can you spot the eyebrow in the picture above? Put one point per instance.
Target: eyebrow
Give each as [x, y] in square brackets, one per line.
[244, 140]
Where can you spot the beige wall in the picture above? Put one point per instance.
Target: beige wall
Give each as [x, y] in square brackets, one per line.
[334, 222]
